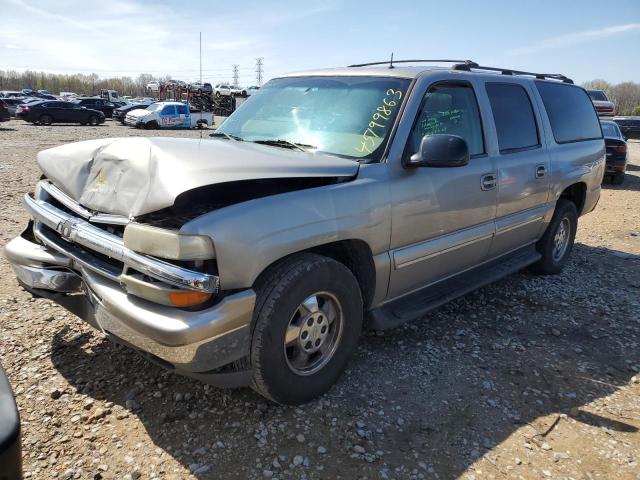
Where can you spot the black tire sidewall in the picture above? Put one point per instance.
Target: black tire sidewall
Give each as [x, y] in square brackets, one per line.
[45, 119]
[283, 385]
[93, 120]
[547, 265]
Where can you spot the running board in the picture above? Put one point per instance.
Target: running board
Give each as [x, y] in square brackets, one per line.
[415, 305]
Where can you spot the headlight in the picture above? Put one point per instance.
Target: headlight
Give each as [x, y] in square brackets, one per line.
[169, 244]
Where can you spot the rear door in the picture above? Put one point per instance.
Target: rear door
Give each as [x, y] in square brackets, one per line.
[523, 166]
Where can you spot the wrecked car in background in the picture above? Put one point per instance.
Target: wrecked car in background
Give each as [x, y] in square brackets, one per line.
[168, 115]
[252, 257]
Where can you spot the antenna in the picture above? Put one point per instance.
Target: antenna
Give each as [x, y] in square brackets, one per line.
[391, 61]
[259, 70]
[200, 57]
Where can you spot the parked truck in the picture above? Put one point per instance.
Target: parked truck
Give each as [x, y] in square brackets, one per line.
[168, 115]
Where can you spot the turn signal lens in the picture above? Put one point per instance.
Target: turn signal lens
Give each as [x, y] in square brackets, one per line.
[188, 299]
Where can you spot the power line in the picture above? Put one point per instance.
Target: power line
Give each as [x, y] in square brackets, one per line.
[259, 70]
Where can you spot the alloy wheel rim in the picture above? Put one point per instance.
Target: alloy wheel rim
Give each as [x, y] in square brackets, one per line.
[561, 239]
[313, 333]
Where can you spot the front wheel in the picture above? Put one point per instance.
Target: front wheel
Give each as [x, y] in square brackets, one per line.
[93, 120]
[557, 242]
[308, 318]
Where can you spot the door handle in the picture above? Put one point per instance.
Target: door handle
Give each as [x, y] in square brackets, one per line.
[541, 171]
[488, 181]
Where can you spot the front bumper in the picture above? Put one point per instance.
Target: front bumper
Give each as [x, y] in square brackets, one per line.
[208, 344]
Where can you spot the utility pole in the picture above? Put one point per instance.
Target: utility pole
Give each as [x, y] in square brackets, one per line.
[259, 70]
[236, 76]
[200, 57]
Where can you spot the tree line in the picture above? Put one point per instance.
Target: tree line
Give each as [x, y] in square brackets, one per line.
[79, 83]
[626, 95]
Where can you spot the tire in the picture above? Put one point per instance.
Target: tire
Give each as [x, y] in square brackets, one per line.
[279, 374]
[554, 255]
[83, 123]
[217, 94]
[93, 120]
[45, 120]
[151, 125]
[618, 178]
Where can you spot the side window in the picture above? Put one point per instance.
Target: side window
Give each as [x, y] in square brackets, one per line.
[513, 116]
[169, 110]
[571, 113]
[449, 108]
[182, 110]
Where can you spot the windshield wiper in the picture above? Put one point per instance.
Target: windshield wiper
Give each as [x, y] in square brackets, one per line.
[227, 136]
[280, 142]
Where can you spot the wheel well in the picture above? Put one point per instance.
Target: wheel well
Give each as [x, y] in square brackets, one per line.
[576, 193]
[357, 257]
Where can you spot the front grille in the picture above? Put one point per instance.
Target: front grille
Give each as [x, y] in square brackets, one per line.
[94, 241]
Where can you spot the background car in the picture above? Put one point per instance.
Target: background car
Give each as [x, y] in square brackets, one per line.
[13, 103]
[201, 87]
[616, 163]
[629, 126]
[97, 103]
[153, 86]
[5, 116]
[251, 90]
[46, 112]
[604, 106]
[222, 89]
[121, 113]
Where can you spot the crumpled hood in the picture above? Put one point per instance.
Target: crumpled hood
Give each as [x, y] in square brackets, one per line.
[138, 175]
[139, 112]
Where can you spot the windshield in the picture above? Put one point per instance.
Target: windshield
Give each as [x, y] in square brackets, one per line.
[610, 130]
[154, 107]
[346, 116]
[597, 95]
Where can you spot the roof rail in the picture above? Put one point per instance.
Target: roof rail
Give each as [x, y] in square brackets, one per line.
[392, 61]
[470, 65]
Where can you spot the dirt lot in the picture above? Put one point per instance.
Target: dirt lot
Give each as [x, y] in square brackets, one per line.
[529, 378]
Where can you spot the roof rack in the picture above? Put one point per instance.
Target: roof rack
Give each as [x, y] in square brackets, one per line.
[392, 61]
[470, 65]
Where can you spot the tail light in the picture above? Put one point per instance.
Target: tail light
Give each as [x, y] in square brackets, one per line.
[25, 109]
[4, 106]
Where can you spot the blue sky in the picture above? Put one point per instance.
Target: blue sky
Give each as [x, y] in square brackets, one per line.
[582, 39]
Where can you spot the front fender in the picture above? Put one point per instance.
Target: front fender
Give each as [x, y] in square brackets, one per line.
[250, 236]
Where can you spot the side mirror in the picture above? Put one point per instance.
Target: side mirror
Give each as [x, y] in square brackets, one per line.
[440, 151]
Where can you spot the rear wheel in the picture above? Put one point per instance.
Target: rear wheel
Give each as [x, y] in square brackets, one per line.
[617, 178]
[557, 242]
[308, 318]
[45, 120]
[93, 120]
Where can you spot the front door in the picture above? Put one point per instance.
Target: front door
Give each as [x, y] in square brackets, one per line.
[523, 167]
[442, 218]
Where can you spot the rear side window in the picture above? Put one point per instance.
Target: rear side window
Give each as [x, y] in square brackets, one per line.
[571, 113]
[182, 110]
[513, 116]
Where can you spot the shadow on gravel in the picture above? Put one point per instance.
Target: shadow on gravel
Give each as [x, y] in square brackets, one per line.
[4, 129]
[435, 395]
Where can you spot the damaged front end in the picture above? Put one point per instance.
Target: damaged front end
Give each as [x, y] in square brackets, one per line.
[149, 288]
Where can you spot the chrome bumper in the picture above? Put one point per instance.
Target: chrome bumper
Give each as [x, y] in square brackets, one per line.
[195, 343]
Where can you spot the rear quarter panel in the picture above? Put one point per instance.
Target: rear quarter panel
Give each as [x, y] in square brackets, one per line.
[571, 163]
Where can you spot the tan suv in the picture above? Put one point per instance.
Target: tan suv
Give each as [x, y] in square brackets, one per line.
[370, 193]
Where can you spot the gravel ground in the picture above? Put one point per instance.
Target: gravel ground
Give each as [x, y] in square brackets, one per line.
[528, 378]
